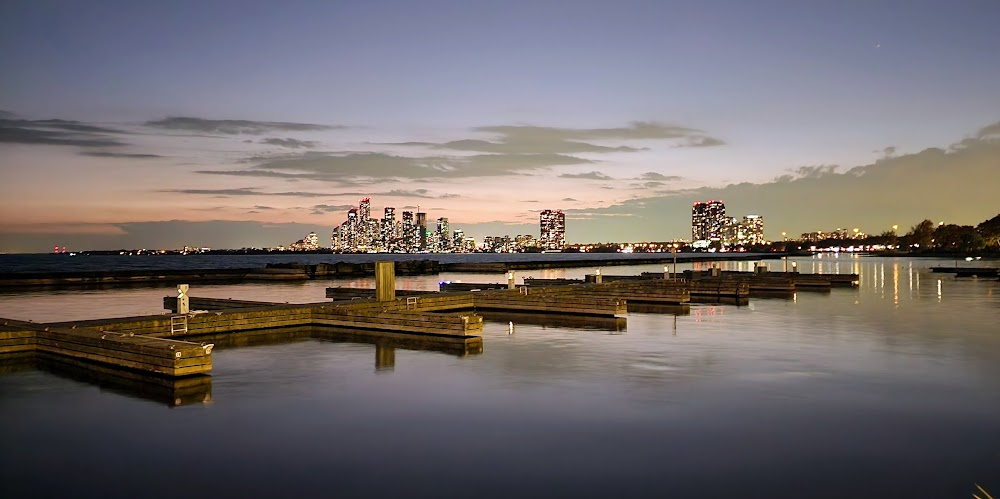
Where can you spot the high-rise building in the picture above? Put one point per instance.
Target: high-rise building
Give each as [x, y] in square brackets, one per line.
[421, 230]
[442, 235]
[752, 230]
[409, 233]
[708, 220]
[365, 209]
[552, 229]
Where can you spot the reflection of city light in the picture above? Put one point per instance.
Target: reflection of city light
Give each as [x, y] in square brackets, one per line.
[895, 284]
[939, 289]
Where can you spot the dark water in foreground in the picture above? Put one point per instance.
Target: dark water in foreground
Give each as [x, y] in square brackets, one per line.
[889, 390]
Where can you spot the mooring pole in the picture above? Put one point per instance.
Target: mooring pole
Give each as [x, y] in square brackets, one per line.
[385, 281]
[183, 302]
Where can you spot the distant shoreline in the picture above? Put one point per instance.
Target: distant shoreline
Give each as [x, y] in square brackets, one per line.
[294, 271]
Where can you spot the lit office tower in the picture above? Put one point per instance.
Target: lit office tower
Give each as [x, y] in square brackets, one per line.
[443, 235]
[389, 233]
[753, 229]
[421, 230]
[347, 233]
[365, 210]
[409, 232]
[708, 220]
[552, 225]
[458, 241]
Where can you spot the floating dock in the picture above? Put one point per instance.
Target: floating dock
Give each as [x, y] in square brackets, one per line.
[175, 346]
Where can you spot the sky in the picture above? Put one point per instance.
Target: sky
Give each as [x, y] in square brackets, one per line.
[250, 123]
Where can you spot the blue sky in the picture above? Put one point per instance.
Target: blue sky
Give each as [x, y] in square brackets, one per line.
[740, 92]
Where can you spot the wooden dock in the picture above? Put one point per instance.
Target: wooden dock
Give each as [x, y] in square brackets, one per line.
[174, 345]
[161, 356]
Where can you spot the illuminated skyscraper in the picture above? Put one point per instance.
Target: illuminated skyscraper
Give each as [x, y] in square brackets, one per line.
[421, 230]
[443, 235]
[409, 232]
[552, 228]
[708, 220]
[752, 230]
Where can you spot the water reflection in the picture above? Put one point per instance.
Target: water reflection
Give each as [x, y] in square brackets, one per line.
[172, 392]
[614, 324]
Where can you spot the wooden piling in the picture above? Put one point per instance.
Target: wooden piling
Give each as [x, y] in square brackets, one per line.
[385, 281]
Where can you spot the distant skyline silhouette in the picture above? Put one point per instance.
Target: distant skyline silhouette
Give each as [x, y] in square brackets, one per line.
[231, 124]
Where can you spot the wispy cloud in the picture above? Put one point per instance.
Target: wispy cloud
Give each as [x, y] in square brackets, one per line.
[594, 175]
[529, 139]
[355, 166]
[291, 143]
[247, 191]
[57, 132]
[234, 127]
[123, 155]
[659, 176]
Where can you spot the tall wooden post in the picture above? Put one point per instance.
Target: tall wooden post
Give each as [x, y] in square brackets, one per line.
[510, 280]
[385, 281]
[182, 299]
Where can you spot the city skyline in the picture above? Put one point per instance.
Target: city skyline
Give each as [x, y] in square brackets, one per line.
[177, 124]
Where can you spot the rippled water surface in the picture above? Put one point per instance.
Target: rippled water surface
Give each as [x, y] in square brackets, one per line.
[891, 389]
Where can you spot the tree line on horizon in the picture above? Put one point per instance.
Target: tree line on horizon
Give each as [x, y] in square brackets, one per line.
[928, 237]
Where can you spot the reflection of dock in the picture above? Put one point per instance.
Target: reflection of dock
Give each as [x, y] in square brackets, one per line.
[969, 271]
[169, 391]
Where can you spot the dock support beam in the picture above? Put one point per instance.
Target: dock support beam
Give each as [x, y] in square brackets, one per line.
[510, 279]
[385, 281]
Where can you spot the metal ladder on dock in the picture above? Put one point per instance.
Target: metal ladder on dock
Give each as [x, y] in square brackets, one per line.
[178, 324]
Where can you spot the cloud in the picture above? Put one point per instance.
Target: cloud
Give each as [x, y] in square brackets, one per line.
[528, 139]
[659, 176]
[702, 141]
[107, 154]
[415, 193]
[568, 199]
[934, 183]
[292, 143]
[353, 166]
[234, 127]
[808, 172]
[262, 207]
[56, 132]
[322, 209]
[594, 175]
[989, 131]
[246, 191]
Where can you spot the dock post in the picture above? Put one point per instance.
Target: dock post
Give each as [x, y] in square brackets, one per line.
[510, 280]
[385, 281]
[597, 277]
[183, 302]
[795, 267]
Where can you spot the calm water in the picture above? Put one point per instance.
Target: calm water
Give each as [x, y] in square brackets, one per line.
[888, 390]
